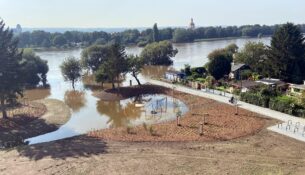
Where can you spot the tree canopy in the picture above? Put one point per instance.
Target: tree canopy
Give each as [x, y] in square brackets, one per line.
[93, 56]
[35, 69]
[114, 66]
[71, 70]
[219, 66]
[254, 55]
[226, 52]
[135, 65]
[287, 54]
[155, 33]
[159, 53]
[11, 72]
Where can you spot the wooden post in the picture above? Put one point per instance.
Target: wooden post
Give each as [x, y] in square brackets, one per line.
[201, 129]
[236, 111]
[178, 121]
[205, 118]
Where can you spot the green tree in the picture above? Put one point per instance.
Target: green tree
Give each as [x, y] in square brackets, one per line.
[95, 55]
[71, 70]
[287, 53]
[187, 70]
[59, 41]
[226, 52]
[11, 73]
[159, 53]
[114, 67]
[219, 66]
[183, 35]
[35, 69]
[135, 65]
[155, 33]
[253, 54]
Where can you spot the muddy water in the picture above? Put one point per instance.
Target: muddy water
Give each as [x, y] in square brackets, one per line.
[90, 113]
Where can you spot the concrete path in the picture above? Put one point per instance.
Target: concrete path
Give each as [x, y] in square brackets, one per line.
[257, 109]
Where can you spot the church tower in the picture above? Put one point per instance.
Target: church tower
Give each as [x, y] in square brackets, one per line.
[192, 24]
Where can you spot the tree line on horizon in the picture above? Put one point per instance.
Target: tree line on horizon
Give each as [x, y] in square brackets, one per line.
[70, 39]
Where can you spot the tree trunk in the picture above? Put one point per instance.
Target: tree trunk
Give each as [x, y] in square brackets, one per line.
[135, 76]
[118, 82]
[4, 114]
[113, 85]
[73, 85]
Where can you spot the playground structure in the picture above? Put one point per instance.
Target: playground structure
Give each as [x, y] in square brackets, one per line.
[160, 106]
[155, 108]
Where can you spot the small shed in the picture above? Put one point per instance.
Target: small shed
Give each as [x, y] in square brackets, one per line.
[173, 75]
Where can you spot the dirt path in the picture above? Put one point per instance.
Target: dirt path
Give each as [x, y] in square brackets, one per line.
[264, 153]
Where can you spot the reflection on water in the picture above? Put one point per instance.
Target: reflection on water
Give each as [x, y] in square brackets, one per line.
[152, 109]
[36, 94]
[75, 100]
[90, 113]
[154, 71]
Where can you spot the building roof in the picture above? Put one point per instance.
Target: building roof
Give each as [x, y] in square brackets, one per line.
[236, 67]
[246, 84]
[271, 81]
[298, 86]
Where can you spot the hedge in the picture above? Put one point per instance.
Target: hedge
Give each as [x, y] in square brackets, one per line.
[255, 98]
[283, 104]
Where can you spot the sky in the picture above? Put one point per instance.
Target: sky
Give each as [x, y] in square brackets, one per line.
[144, 13]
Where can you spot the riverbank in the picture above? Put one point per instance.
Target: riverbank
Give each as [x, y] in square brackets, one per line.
[218, 126]
[36, 118]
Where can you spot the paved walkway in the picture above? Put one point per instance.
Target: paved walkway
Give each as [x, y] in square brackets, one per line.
[257, 109]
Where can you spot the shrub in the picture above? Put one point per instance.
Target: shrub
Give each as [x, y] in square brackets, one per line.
[284, 104]
[255, 98]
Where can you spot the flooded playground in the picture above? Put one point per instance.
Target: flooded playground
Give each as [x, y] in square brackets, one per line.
[150, 109]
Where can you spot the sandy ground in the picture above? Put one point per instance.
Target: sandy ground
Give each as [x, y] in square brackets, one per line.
[54, 114]
[263, 153]
[58, 113]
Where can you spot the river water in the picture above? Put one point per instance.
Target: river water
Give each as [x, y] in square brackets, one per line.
[90, 113]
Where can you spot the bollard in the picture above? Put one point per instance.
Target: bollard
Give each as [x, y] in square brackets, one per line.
[130, 82]
[280, 124]
[295, 129]
[288, 126]
[201, 129]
